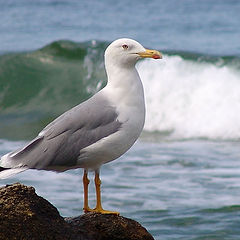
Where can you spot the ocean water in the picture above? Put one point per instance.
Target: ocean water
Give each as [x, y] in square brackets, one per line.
[181, 180]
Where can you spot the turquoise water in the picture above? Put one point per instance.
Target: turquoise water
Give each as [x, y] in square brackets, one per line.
[176, 189]
[181, 179]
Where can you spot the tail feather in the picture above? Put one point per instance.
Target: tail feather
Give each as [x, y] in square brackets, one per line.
[15, 162]
[8, 172]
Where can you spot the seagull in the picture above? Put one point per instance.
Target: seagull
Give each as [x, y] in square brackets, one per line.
[96, 131]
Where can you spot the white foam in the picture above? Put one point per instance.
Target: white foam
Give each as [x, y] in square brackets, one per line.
[191, 99]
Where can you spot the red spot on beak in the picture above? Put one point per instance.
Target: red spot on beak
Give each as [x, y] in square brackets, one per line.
[155, 56]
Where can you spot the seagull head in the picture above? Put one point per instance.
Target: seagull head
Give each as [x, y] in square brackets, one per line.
[126, 52]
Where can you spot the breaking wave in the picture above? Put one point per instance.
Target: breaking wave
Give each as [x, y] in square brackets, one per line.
[188, 95]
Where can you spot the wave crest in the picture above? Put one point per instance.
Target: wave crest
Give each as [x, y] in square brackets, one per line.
[192, 99]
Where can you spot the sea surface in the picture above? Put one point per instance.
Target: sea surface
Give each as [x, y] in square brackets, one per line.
[181, 180]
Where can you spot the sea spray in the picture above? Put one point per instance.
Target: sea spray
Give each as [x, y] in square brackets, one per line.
[192, 98]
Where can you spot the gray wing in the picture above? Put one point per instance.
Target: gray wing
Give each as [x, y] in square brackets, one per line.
[60, 142]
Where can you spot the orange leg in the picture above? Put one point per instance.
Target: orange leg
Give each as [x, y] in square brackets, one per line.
[99, 208]
[85, 187]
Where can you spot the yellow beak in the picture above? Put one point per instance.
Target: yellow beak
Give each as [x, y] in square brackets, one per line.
[150, 54]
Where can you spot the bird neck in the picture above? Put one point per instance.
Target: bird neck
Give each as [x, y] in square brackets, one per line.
[125, 86]
[122, 77]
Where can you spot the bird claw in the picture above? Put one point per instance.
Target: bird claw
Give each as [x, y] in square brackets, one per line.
[87, 209]
[100, 210]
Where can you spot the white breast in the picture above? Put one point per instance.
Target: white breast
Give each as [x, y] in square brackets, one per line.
[126, 95]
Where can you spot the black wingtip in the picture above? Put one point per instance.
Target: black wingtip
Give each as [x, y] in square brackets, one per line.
[2, 169]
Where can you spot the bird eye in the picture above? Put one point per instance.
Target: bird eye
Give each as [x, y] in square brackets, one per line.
[125, 46]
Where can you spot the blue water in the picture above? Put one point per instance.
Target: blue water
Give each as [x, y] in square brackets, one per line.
[181, 179]
[210, 27]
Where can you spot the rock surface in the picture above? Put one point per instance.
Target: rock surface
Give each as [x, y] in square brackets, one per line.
[109, 226]
[26, 216]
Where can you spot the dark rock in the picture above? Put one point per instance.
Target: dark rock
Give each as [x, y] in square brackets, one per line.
[26, 216]
[109, 226]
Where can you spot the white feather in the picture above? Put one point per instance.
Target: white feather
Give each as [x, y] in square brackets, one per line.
[10, 172]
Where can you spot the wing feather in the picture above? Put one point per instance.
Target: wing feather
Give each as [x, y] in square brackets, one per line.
[60, 142]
